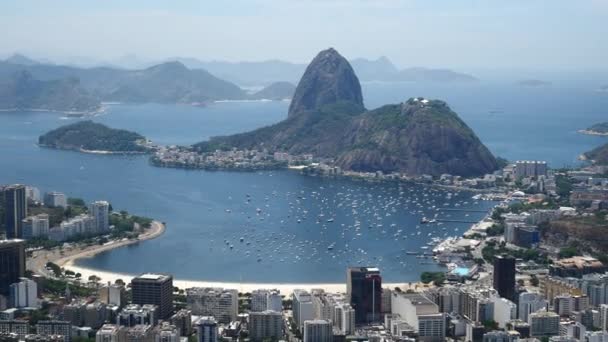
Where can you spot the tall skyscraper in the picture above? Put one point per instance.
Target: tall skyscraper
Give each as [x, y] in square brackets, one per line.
[99, 210]
[12, 263]
[504, 277]
[364, 289]
[154, 289]
[15, 210]
[206, 329]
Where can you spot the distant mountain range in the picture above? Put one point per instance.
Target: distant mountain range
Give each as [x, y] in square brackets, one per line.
[327, 118]
[266, 72]
[20, 91]
[183, 80]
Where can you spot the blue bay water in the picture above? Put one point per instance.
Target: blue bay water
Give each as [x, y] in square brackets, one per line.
[207, 213]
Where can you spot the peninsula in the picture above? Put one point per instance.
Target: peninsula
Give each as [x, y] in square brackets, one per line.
[91, 137]
[21, 92]
[597, 129]
[328, 121]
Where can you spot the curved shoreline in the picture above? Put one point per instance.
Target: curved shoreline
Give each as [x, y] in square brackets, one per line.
[67, 257]
[588, 132]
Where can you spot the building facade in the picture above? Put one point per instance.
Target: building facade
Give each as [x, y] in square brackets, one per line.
[364, 290]
[156, 289]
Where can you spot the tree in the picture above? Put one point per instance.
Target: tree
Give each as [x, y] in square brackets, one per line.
[534, 280]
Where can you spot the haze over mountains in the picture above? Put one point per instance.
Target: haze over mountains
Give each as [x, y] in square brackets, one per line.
[263, 73]
[328, 119]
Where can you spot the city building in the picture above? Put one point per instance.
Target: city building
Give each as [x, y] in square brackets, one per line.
[265, 325]
[32, 194]
[156, 289]
[575, 330]
[262, 300]
[182, 320]
[504, 276]
[576, 267]
[15, 210]
[111, 333]
[530, 302]
[24, 294]
[302, 307]
[319, 330]
[36, 226]
[112, 294]
[565, 305]
[166, 332]
[552, 287]
[99, 210]
[55, 199]
[62, 328]
[12, 263]
[504, 311]
[206, 329]
[344, 318]
[140, 333]
[222, 304]
[528, 168]
[18, 327]
[134, 314]
[501, 336]
[364, 290]
[421, 314]
[543, 323]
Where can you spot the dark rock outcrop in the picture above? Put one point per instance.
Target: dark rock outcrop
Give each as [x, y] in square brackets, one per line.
[328, 79]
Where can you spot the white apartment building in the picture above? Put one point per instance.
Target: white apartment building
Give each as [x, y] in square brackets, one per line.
[99, 210]
[302, 307]
[220, 303]
[55, 199]
[36, 226]
[24, 294]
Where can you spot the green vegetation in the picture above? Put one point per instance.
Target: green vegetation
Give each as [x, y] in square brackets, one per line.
[92, 136]
[57, 287]
[436, 277]
[564, 186]
[493, 249]
[598, 154]
[568, 252]
[496, 229]
[124, 224]
[601, 128]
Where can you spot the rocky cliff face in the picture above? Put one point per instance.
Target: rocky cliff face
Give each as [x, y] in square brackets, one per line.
[327, 118]
[328, 79]
[415, 137]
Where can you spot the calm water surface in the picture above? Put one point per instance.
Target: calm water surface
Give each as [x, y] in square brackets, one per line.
[281, 226]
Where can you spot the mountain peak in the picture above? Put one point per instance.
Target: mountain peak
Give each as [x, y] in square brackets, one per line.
[21, 59]
[328, 79]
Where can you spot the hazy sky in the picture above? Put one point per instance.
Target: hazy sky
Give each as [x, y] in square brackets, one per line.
[464, 34]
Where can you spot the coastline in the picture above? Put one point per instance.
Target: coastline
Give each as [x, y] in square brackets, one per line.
[67, 257]
[588, 132]
[82, 150]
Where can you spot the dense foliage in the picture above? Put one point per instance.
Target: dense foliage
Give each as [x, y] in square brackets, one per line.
[436, 277]
[92, 136]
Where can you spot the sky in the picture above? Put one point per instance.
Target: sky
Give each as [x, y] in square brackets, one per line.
[460, 34]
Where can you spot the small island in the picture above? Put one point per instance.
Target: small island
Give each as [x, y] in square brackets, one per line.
[597, 129]
[91, 137]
